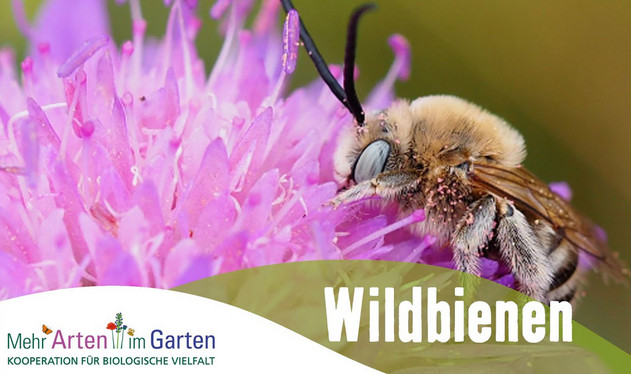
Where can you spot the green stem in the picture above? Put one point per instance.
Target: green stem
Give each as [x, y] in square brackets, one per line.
[113, 339]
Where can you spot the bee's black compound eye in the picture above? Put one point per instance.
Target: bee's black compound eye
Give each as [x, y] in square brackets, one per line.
[465, 166]
[371, 161]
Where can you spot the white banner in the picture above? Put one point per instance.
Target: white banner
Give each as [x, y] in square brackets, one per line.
[145, 330]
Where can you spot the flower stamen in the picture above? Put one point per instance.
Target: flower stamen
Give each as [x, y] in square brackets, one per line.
[186, 53]
[416, 216]
[225, 48]
[400, 69]
[81, 55]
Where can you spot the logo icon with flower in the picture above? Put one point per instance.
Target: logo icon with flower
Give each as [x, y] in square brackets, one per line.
[118, 343]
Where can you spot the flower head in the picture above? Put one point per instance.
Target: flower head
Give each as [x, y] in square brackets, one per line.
[131, 165]
[111, 326]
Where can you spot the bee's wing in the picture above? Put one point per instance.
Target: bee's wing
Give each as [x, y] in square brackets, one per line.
[531, 195]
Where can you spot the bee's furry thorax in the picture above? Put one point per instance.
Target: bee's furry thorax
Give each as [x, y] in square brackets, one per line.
[433, 128]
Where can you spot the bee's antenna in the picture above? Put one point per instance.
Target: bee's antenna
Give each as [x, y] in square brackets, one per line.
[346, 95]
[353, 105]
[318, 61]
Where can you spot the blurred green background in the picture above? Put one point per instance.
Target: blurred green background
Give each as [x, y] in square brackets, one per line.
[559, 71]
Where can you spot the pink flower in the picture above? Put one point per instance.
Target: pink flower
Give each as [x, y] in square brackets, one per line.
[132, 165]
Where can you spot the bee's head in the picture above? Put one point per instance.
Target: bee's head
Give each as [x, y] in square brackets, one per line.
[347, 94]
[430, 136]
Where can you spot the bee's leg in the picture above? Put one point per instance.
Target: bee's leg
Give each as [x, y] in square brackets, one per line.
[386, 185]
[355, 193]
[472, 234]
[522, 251]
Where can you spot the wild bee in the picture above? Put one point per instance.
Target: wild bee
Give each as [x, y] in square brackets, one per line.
[462, 165]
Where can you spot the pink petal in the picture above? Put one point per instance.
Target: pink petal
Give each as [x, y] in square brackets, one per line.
[161, 108]
[185, 264]
[210, 182]
[562, 189]
[147, 198]
[256, 209]
[247, 155]
[215, 223]
[47, 134]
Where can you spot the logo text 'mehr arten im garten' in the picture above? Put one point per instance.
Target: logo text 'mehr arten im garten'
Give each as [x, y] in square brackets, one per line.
[120, 336]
